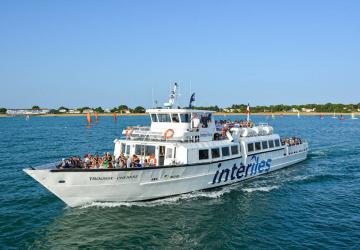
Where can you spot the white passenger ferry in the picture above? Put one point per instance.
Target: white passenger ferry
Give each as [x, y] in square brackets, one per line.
[183, 150]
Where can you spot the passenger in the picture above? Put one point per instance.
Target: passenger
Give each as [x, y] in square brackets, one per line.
[128, 162]
[195, 122]
[175, 119]
[123, 163]
[146, 163]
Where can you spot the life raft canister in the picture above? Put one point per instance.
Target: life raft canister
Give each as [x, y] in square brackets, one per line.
[152, 160]
[169, 134]
[129, 132]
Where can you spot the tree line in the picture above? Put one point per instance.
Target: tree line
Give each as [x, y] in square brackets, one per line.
[235, 108]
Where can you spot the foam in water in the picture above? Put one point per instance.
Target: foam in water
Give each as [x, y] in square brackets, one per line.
[165, 201]
[260, 189]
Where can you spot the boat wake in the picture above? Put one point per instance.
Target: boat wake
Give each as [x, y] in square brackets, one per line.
[213, 194]
[260, 189]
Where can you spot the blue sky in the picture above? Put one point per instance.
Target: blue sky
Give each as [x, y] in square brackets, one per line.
[106, 53]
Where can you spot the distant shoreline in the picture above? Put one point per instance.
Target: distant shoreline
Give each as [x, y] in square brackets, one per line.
[217, 113]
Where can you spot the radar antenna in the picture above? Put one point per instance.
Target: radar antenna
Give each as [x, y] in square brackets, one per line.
[173, 97]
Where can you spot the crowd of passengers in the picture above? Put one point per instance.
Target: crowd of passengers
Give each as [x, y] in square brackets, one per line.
[291, 141]
[234, 124]
[107, 161]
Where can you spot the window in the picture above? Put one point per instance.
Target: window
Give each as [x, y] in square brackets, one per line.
[169, 152]
[225, 151]
[175, 118]
[144, 150]
[149, 150]
[265, 145]
[271, 144]
[257, 146]
[215, 153]
[203, 154]
[139, 149]
[128, 149]
[164, 118]
[185, 118]
[277, 143]
[234, 150]
[122, 150]
[154, 118]
[250, 147]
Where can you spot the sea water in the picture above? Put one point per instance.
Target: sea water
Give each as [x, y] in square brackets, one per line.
[314, 204]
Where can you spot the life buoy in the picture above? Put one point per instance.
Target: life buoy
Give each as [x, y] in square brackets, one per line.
[152, 160]
[169, 134]
[129, 132]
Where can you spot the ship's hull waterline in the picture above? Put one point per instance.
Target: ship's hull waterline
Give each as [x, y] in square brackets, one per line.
[81, 187]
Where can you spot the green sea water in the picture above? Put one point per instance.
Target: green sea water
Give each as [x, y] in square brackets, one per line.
[311, 205]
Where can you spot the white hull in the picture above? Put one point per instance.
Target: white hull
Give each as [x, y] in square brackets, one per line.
[77, 188]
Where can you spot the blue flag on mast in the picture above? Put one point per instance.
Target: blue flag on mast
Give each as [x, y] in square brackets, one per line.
[192, 99]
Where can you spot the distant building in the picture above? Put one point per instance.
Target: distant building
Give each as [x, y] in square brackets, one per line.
[63, 110]
[107, 110]
[88, 111]
[27, 111]
[308, 110]
[294, 110]
[74, 111]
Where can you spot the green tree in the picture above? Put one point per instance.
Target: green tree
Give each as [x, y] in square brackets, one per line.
[35, 108]
[99, 110]
[139, 109]
[3, 110]
[62, 107]
[122, 107]
[54, 111]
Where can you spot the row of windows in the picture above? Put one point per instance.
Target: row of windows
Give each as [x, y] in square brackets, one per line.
[184, 118]
[215, 152]
[263, 145]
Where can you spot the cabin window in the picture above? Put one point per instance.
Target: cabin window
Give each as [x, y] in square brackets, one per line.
[277, 143]
[169, 153]
[122, 148]
[139, 149]
[175, 118]
[185, 118]
[215, 153]
[203, 154]
[225, 151]
[257, 146]
[149, 150]
[128, 149]
[164, 118]
[265, 145]
[154, 118]
[250, 147]
[271, 144]
[234, 150]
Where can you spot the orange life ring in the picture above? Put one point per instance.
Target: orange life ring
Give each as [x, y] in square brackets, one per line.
[169, 134]
[129, 132]
[152, 160]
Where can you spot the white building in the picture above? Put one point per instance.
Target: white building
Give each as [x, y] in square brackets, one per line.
[308, 110]
[27, 112]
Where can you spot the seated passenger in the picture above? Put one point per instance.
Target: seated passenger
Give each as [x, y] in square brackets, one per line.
[146, 163]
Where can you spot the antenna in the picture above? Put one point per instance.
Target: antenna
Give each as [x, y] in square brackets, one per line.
[152, 97]
[173, 97]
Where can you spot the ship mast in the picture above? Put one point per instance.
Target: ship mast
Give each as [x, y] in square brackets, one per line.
[173, 97]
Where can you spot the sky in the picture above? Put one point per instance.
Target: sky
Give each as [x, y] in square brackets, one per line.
[107, 53]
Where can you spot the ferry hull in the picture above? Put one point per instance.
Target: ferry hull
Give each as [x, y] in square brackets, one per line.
[78, 188]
